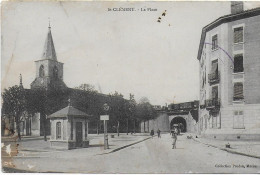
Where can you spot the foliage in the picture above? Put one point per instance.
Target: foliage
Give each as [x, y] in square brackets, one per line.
[14, 104]
[13, 101]
[87, 87]
[145, 110]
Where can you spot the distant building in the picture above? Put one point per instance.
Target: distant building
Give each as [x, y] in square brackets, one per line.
[229, 57]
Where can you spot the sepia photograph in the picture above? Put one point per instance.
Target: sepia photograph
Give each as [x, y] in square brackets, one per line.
[130, 87]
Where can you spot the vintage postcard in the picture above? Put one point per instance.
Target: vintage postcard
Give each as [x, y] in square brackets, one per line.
[130, 87]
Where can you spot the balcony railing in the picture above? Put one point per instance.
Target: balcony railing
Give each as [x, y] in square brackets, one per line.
[213, 103]
[214, 77]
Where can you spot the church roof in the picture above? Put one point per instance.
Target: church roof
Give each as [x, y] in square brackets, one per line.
[68, 111]
[49, 50]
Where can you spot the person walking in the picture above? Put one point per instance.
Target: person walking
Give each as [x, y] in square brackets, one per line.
[159, 133]
[152, 133]
[174, 139]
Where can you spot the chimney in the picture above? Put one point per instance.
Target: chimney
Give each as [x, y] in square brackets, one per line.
[237, 7]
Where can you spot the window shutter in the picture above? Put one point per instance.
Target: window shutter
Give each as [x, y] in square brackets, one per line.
[238, 90]
[238, 35]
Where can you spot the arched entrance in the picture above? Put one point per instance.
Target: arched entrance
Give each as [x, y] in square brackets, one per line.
[180, 121]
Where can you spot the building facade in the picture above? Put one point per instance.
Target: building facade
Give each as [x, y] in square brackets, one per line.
[229, 58]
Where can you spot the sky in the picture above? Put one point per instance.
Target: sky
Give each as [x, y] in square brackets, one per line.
[123, 51]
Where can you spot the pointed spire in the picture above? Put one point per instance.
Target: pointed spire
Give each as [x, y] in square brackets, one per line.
[49, 24]
[49, 49]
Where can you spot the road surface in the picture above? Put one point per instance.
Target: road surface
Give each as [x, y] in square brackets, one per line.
[151, 156]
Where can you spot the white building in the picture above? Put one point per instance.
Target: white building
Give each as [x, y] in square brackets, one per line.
[229, 57]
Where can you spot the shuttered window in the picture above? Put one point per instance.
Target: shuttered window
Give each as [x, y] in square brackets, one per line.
[215, 92]
[238, 91]
[214, 42]
[214, 71]
[238, 63]
[238, 120]
[214, 68]
[238, 35]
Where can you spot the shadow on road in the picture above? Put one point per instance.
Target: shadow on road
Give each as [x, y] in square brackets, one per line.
[96, 145]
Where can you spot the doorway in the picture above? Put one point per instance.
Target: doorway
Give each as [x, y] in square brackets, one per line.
[79, 134]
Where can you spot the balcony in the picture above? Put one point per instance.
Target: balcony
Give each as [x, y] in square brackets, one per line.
[214, 77]
[213, 103]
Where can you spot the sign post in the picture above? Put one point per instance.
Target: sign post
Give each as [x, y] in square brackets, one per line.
[105, 118]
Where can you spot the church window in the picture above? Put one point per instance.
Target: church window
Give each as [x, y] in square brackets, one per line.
[41, 71]
[55, 72]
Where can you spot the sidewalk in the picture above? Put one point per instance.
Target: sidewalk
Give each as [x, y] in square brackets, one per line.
[37, 147]
[245, 148]
[23, 138]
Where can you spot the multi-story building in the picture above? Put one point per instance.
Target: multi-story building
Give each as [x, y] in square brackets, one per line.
[229, 57]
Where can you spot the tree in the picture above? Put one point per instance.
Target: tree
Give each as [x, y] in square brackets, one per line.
[14, 104]
[37, 101]
[117, 109]
[87, 99]
[132, 111]
[145, 111]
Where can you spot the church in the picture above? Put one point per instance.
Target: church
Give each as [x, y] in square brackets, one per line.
[49, 79]
[49, 71]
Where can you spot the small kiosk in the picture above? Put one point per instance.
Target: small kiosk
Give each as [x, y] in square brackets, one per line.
[69, 128]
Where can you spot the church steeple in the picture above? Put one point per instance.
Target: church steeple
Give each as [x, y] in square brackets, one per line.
[49, 49]
[49, 72]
